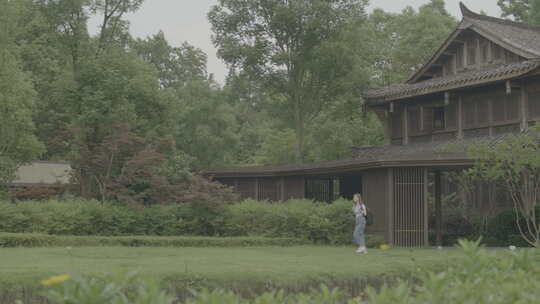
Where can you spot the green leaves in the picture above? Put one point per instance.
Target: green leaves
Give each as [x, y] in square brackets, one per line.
[295, 49]
[514, 163]
[480, 276]
[400, 42]
[128, 289]
[18, 143]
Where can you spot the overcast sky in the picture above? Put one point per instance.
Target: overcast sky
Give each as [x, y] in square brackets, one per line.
[185, 20]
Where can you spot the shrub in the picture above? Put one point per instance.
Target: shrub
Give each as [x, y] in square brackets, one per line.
[457, 227]
[503, 231]
[316, 222]
[67, 289]
[42, 240]
[479, 277]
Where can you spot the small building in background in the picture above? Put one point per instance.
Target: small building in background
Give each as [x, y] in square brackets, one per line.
[41, 180]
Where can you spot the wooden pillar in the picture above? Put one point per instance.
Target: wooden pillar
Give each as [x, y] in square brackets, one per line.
[524, 108]
[465, 55]
[490, 52]
[330, 190]
[405, 125]
[425, 203]
[460, 118]
[490, 117]
[390, 206]
[438, 207]
[256, 188]
[282, 189]
[478, 54]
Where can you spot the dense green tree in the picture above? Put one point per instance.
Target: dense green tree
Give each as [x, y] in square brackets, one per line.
[206, 125]
[294, 48]
[527, 11]
[401, 42]
[517, 9]
[114, 29]
[534, 13]
[18, 143]
[176, 66]
[253, 122]
[334, 137]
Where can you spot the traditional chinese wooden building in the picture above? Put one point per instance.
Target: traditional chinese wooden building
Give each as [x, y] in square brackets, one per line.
[483, 83]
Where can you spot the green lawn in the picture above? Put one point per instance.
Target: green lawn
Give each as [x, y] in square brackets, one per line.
[284, 265]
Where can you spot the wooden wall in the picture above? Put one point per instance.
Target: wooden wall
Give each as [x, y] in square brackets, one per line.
[294, 187]
[486, 111]
[376, 191]
[532, 100]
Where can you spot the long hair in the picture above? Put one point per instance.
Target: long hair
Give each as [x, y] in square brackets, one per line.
[357, 198]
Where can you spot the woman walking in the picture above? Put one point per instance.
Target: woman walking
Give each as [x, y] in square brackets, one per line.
[360, 212]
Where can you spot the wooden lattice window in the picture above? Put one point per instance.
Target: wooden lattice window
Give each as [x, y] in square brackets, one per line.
[439, 118]
[459, 57]
[428, 119]
[512, 105]
[269, 190]
[534, 104]
[246, 188]
[496, 51]
[505, 107]
[451, 114]
[511, 57]
[498, 107]
[482, 111]
[397, 124]
[469, 113]
[414, 120]
[471, 53]
[476, 110]
[321, 190]
[484, 51]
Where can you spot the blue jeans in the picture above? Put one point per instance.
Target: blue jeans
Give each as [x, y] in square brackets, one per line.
[358, 235]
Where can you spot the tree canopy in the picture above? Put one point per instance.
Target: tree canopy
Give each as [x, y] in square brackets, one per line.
[112, 104]
[527, 11]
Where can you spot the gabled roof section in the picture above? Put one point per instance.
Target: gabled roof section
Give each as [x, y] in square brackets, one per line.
[519, 38]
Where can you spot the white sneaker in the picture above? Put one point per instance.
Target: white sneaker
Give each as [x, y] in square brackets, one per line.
[361, 249]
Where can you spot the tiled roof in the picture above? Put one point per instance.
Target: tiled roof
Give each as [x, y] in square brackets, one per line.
[440, 153]
[449, 148]
[523, 37]
[485, 75]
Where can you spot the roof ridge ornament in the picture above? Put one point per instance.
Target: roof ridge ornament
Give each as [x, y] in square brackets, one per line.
[465, 11]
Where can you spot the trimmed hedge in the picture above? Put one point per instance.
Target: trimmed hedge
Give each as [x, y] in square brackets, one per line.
[41, 240]
[317, 223]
